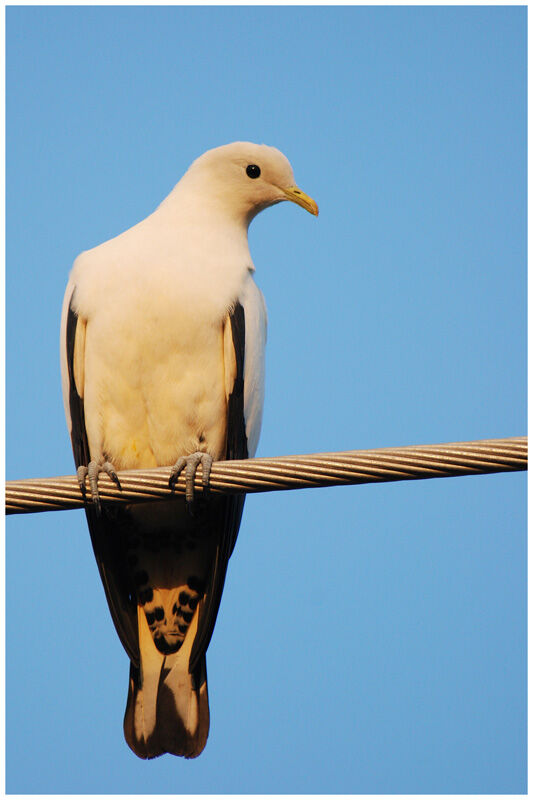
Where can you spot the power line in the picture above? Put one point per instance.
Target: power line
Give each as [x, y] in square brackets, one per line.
[282, 473]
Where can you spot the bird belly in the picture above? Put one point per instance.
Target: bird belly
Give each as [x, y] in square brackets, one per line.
[157, 395]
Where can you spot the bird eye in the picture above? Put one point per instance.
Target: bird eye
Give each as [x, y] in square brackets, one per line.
[253, 171]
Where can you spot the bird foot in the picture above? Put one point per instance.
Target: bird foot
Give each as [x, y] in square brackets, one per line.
[190, 464]
[92, 472]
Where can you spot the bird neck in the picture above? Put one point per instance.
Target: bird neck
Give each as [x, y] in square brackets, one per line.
[195, 199]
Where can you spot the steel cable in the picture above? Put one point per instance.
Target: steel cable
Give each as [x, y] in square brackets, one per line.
[282, 473]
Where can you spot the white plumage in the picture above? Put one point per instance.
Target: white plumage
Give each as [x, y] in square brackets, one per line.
[163, 335]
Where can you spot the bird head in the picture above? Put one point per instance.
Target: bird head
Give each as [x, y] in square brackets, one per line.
[244, 178]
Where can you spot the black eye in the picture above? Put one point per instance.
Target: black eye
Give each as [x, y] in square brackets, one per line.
[253, 171]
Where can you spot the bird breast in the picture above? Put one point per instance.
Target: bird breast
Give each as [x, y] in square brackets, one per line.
[154, 365]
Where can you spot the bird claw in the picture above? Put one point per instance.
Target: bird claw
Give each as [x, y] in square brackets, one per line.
[190, 464]
[92, 472]
[81, 472]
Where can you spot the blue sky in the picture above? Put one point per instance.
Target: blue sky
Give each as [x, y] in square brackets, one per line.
[370, 639]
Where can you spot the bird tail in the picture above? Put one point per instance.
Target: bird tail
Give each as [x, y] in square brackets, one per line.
[168, 708]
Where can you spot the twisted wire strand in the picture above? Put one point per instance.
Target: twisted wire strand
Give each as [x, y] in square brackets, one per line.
[281, 473]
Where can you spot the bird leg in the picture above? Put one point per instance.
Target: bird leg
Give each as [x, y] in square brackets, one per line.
[190, 464]
[92, 472]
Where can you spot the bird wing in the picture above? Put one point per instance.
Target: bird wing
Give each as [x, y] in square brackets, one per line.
[244, 340]
[105, 529]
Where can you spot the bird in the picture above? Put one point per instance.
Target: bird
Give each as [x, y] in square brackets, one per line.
[163, 334]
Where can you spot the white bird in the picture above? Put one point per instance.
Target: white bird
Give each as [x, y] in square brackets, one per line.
[163, 334]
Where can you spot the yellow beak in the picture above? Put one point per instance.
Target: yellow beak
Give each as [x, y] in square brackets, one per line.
[301, 198]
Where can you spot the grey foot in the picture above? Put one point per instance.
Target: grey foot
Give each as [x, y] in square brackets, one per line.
[92, 472]
[190, 464]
